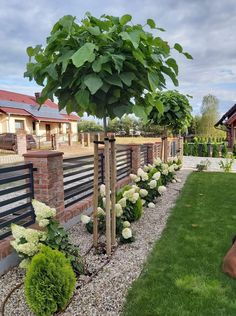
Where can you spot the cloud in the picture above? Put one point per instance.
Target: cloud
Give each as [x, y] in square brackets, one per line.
[205, 28]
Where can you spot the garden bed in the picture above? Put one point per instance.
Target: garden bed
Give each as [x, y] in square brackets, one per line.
[105, 294]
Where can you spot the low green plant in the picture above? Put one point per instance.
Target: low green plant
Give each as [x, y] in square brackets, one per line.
[215, 150]
[227, 164]
[224, 150]
[49, 282]
[203, 165]
[204, 150]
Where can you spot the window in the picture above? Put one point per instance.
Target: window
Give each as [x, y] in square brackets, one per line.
[19, 125]
[68, 127]
[60, 128]
[34, 127]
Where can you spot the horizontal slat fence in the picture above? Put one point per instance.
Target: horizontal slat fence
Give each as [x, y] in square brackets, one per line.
[143, 155]
[16, 194]
[78, 174]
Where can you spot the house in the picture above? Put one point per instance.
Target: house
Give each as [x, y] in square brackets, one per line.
[228, 124]
[22, 112]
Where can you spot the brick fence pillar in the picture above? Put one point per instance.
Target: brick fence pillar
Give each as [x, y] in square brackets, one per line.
[181, 147]
[21, 143]
[48, 179]
[151, 147]
[136, 157]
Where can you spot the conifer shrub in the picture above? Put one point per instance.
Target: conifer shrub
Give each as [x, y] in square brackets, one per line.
[186, 148]
[49, 282]
[224, 151]
[215, 150]
[204, 150]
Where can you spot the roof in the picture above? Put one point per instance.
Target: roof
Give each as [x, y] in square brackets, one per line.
[226, 116]
[49, 111]
[14, 111]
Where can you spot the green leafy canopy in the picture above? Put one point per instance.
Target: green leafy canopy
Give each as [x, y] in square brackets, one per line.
[103, 66]
[171, 109]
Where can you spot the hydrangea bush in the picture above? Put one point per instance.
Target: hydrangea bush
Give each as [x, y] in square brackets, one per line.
[27, 241]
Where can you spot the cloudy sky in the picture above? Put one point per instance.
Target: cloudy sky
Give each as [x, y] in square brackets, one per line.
[205, 28]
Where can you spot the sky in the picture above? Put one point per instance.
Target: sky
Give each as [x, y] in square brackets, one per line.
[205, 28]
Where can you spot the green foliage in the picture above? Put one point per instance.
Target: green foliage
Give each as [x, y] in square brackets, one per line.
[89, 126]
[203, 165]
[170, 109]
[224, 150]
[49, 282]
[195, 148]
[126, 123]
[133, 212]
[99, 65]
[227, 164]
[234, 150]
[204, 150]
[215, 150]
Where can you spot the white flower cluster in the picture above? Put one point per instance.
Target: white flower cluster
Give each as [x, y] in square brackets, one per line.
[85, 219]
[131, 195]
[27, 241]
[43, 213]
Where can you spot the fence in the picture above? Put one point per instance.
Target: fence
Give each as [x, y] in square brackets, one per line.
[78, 174]
[16, 193]
[143, 155]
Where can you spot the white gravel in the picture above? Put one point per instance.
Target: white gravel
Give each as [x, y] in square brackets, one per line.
[105, 294]
[190, 162]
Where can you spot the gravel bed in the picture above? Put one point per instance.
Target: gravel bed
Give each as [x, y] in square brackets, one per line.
[105, 294]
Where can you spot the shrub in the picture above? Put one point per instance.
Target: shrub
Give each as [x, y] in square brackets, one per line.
[224, 150]
[204, 150]
[215, 150]
[186, 148]
[203, 165]
[234, 150]
[195, 148]
[227, 165]
[49, 282]
[133, 212]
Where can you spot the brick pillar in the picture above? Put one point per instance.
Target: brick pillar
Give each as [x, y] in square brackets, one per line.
[21, 143]
[48, 179]
[151, 152]
[136, 153]
[158, 150]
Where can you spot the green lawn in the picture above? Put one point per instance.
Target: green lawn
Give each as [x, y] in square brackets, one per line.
[183, 273]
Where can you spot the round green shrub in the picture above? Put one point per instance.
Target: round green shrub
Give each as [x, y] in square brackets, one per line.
[49, 282]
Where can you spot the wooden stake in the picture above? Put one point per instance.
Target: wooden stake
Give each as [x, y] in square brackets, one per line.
[95, 194]
[113, 191]
[108, 199]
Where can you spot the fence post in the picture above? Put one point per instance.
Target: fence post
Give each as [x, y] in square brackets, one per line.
[136, 161]
[69, 138]
[21, 143]
[181, 147]
[88, 139]
[48, 179]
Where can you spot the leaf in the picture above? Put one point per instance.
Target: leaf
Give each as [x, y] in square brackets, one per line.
[30, 51]
[93, 82]
[120, 110]
[139, 56]
[64, 59]
[127, 78]
[178, 47]
[171, 74]
[151, 23]
[153, 80]
[83, 54]
[97, 64]
[67, 21]
[139, 111]
[118, 60]
[82, 97]
[51, 70]
[187, 55]
[94, 30]
[125, 19]
[114, 80]
[172, 63]
[133, 37]
[159, 106]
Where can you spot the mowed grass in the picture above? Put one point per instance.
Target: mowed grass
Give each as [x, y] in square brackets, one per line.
[183, 276]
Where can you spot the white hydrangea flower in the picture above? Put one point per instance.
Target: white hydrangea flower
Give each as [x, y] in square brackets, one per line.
[152, 184]
[176, 167]
[143, 201]
[134, 198]
[171, 168]
[143, 192]
[137, 179]
[170, 159]
[161, 189]
[134, 186]
[140, 172]
[175, 159]
[173, 181]
[157, 161]
[102, 190]
[104, 202]
[43, 222]
[42, 211]
[85, 219]
[146, 168]
[156, 176]
[119, 210]
[17, 231]
[151, 205]
[164, 166]
[165, 172]
[32, 235]
[127, 233]
[100, 212]
[129, 193]
[122, 202]
[178, 180]
[24, 263]
[126, 224]
[29, 248]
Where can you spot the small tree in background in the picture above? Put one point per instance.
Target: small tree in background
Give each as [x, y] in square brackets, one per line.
[89, 126]
[171, 110]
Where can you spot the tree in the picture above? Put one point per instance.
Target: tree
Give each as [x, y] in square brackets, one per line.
[89, 126]
[193, 128]
[102, 66]
[210, 115]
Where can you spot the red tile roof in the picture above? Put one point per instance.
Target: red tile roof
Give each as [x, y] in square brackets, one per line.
[15, 111]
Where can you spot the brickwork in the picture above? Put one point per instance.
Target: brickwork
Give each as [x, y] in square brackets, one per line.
[21, 144]
[136, 156]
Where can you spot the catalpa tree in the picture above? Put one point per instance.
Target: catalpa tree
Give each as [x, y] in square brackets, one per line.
[103, 66]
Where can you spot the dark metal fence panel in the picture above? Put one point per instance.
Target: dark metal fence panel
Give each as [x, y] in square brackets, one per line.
[173, 150]
[16, 194]
[79, 173]
[143, 155]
